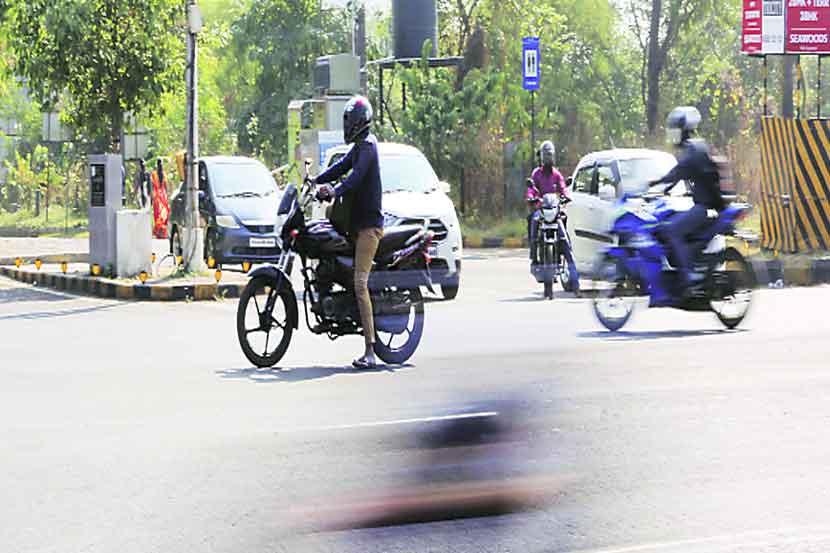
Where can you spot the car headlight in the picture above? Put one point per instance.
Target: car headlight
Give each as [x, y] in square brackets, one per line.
[226, 221]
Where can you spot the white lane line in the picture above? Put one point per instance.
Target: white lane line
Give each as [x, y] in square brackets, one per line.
[728, 541]
[375, 424]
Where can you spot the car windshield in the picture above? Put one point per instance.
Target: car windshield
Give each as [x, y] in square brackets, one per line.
[238, 180]
[636, 173]
[407, 173]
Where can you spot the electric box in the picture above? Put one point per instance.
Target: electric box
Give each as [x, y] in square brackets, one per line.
[337, 73]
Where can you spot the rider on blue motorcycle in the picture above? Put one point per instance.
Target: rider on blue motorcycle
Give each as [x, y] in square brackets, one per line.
[548, 180]
[697, 169]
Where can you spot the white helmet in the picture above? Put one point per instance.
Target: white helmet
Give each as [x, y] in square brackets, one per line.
[547, 153]
[681, 123]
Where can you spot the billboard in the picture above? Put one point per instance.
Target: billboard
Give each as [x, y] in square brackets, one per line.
[764, 27]
[808, 26]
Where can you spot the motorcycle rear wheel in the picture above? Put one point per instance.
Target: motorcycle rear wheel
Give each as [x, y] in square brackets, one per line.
[615, 293]
[394, 353]
[732, 308]
[275, 325]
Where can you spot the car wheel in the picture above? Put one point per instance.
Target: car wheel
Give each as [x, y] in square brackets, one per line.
[210, 246]
[176, 243]
[449, 291]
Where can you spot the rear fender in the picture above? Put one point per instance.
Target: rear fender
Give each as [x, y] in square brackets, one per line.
[282, 282]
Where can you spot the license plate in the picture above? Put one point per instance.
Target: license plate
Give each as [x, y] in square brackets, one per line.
[263, 242]
[433, 251]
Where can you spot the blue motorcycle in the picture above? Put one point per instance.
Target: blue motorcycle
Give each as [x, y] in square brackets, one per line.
[639, 265]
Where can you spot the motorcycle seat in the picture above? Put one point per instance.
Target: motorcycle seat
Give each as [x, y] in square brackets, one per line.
[395, 238]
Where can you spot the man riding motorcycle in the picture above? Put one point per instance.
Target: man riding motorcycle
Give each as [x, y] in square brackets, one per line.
[548, 180]
[366, 215]
[697, 169]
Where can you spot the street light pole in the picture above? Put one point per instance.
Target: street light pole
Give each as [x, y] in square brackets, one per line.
[194, 238]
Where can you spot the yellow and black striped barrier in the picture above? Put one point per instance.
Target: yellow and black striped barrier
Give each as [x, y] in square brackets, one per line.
[795, 184]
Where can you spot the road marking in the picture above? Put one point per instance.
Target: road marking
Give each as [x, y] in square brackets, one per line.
[375, 424]
[729, 541]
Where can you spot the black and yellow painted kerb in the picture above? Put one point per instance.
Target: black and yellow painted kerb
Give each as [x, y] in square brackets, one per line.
[795, 184]
[105, 288]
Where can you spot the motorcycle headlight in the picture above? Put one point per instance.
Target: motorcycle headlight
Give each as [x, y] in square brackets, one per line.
[549, 214]
[227, 221]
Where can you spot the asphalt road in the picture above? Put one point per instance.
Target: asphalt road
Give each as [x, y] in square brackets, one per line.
[139, 427]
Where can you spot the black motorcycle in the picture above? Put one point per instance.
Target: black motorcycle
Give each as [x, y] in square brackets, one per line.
[268, 314]
[551, 266]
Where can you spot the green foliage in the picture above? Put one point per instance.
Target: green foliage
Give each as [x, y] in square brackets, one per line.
[101, 57]
[280, 39]
[26, 173]
[104, 57]
[169, 122]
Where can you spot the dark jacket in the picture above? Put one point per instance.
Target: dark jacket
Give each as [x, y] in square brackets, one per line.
[697, 168]
[364, 180]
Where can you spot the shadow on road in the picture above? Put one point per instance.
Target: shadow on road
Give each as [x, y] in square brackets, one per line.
[623, 336]
[35, 315]
[20, 295]
[539, 297]
[301, 374]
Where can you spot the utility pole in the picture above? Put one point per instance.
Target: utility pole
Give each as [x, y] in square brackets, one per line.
[193, 237]
[787, 87]
[359, 47]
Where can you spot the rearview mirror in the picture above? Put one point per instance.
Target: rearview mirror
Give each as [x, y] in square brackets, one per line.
[569, 182]
[307, 162]
[444, 187]
[530, 183]
[607, 193]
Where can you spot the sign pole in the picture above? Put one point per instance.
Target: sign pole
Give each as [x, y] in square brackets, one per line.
[532, 120]
[818, 90]
[531, 75]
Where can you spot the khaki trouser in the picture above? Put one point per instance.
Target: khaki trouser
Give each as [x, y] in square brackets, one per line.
[366, 247]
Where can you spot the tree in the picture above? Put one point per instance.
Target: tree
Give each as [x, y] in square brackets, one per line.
[667, 21]
[102, 57]
[282, 38]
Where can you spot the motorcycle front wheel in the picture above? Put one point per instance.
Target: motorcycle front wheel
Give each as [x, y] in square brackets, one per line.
[397, 345]
[264, 322]
[615, 293]
[733, 289]
[548, 259]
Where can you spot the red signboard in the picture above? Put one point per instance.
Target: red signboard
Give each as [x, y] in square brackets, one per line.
[808, 26]
[753, 28]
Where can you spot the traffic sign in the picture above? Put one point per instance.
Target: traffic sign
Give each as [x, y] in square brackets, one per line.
[530, 58]
[808, 26]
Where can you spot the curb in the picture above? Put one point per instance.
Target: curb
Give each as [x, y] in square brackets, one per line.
[485, 242]
[798, 272]
[34, 232]
[105, 288]
[53, 258]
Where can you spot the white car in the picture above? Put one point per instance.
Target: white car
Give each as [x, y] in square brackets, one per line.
[412, 193]
[599, 180]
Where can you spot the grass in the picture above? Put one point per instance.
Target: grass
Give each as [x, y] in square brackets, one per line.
[57, 219]
[495, 228]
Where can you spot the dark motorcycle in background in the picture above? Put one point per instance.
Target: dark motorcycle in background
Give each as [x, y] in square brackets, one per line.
[550, 235]
[268, 314]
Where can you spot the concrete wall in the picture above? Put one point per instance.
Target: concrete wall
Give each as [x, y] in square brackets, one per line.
[133, 242]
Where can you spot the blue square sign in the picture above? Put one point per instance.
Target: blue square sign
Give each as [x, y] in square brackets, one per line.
[530, 63]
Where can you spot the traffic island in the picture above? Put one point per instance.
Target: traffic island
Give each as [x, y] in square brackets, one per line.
[168, 288]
